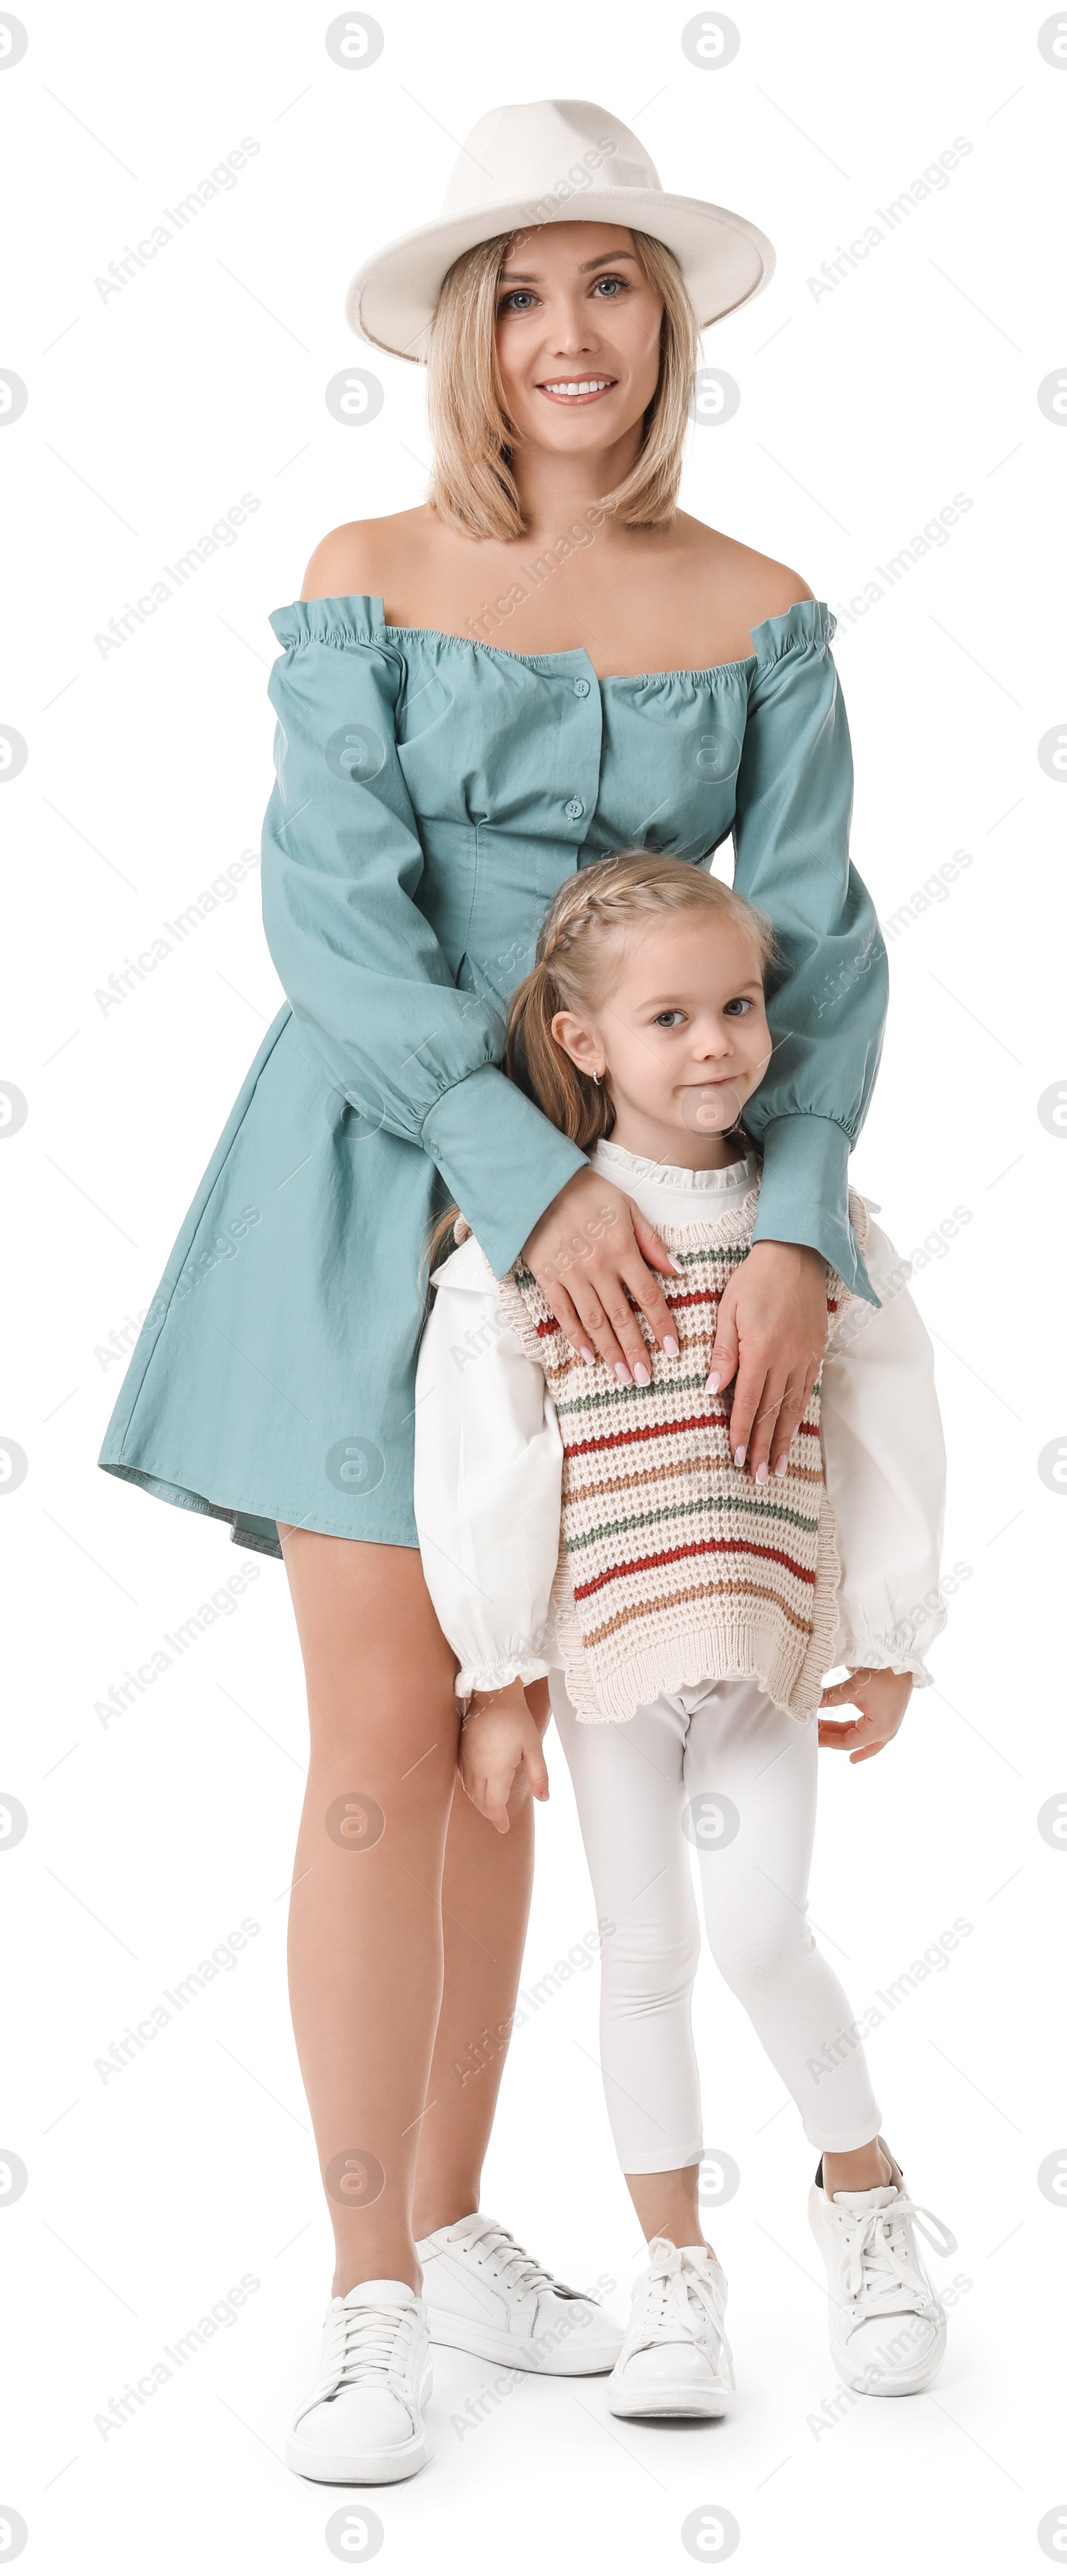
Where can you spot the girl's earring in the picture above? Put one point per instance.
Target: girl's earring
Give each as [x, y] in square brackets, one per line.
[596, 1078]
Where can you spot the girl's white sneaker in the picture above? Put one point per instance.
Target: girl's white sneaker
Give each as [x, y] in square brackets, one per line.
[362, 2424]
[887, 2323]
[676, 2360]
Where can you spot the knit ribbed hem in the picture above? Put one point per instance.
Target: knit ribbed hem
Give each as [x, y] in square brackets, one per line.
[676, 1662]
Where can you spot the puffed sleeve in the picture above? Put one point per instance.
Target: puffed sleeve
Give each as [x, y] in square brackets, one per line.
[884, 1458]
[367, 980]
[488, 1478]
[828, 997]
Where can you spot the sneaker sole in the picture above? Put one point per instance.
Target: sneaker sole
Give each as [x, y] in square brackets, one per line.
[462, 2334]
[362, 2468]
[673, 2404]
[366, 2469]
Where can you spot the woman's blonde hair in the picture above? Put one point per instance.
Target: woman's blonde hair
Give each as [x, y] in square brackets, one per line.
[579, 948]
[472, 487]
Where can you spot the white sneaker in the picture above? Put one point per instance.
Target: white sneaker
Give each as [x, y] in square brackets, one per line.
[676, 2359]
[486, 2295]
[362, 2424]
[887, 2323]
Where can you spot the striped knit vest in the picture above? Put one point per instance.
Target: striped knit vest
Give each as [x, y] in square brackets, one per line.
[675, 1567]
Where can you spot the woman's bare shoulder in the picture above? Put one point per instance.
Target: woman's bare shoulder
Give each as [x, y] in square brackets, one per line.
[363, 558]
[749, 586]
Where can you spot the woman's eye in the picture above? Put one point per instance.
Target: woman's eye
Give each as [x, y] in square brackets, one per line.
[737, 1009]
[668, 1019]
[609, 281]
[519, 300]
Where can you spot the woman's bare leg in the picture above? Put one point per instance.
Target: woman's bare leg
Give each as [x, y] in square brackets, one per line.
[486, 1903]
[366, 1956]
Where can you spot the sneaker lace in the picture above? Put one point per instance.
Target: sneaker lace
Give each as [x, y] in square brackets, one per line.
[510, 2263]
[875, 2262]
[372, 2343]
[677, 2293]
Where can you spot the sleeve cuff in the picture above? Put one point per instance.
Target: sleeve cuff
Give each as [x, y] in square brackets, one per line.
[501, 1158]
[804, 1194]
[494, 1677]
[877, 1661]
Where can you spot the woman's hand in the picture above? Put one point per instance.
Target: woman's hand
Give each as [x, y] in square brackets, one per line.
[881, 1698]
[589, 1247]
[499, 1738]
[771, 1332]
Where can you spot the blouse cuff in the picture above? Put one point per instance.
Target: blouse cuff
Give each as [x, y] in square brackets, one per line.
[804, 1194]
[494, 1677]
[502, 1160]
[877, 1661]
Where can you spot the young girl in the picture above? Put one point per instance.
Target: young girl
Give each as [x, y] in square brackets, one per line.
[594, 1525]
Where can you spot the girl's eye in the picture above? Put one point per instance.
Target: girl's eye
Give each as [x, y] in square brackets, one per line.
[737, 1009]
[610, 281]
[668, 1019]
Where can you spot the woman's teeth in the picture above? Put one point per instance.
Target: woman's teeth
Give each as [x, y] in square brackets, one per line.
[587, 385]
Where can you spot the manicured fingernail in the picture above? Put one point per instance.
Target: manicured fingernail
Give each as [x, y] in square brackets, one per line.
[641, 1375]
[676, 1266]
[761, 1472]
[711, 1384]
[671, 1347]
[739, 1457]
[588, 1355]
[781, 1464]
[623, 1374]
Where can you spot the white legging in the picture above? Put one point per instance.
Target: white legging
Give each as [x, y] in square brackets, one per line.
[720, 1769]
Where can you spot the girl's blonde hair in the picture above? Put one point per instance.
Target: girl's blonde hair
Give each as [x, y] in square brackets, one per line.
[472, 487]
[579, 947]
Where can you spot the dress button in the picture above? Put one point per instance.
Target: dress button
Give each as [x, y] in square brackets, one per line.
[574, 809]
[581, 688]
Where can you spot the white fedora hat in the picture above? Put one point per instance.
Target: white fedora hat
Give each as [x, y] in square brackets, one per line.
[548, 161]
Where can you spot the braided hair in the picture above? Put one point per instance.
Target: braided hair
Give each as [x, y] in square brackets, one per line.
[581, 940]
[579, 948]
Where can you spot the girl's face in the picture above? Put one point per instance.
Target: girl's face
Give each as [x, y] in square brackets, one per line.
[681, 1038]
[574, 308]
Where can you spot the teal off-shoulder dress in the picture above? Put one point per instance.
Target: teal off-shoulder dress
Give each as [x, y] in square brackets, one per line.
[431, 795]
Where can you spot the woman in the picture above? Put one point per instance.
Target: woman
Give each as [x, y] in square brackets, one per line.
[544, 662]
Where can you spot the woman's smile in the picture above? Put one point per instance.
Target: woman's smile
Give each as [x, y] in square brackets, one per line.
[577, 389]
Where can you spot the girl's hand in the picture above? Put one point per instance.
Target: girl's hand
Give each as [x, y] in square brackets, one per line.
[772, 1332]
[589, 1247]
[499, 1738]
[881, 1698]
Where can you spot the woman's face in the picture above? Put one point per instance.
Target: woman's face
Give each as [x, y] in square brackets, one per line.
[575, 309]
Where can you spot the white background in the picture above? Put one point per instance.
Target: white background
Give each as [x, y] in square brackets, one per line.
[862, 413]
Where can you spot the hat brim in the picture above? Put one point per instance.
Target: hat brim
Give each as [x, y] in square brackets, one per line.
[724, 259]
